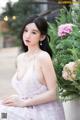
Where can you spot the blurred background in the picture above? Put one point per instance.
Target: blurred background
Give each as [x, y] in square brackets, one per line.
[13, 14]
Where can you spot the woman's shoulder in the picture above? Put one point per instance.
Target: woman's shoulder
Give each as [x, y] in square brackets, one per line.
[44, 56]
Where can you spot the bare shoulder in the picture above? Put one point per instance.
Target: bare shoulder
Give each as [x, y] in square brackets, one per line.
[44, 58]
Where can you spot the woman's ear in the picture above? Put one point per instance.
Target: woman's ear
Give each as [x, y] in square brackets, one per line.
[42, 37]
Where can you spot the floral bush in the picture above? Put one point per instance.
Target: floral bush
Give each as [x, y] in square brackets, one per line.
[65, 43]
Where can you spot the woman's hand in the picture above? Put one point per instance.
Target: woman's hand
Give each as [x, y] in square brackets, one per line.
[13, 101]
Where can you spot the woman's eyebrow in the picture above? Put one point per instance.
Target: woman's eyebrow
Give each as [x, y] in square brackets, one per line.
[26, 28]
[35, 30]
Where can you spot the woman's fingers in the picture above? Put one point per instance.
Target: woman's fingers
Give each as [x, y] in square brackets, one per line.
[13, 102]
[6, 101]
[9, 103]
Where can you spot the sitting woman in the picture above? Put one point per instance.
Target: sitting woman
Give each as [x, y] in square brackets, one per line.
[35, 79]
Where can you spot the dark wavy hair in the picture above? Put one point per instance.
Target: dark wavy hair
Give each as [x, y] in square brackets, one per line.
[42, 26]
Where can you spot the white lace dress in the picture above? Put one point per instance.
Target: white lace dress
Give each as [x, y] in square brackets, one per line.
[29, 87]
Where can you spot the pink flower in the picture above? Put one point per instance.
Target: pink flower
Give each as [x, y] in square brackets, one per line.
[64, 29]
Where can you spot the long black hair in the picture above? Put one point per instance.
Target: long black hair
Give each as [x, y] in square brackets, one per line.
[42, 26]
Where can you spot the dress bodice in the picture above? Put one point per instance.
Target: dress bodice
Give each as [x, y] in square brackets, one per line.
[29, 85]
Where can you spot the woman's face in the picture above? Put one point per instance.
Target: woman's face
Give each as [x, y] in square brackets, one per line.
[31, 35]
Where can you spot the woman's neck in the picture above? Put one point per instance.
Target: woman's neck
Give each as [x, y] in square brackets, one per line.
[33, 50]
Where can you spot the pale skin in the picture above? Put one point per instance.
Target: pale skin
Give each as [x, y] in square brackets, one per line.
[33, 35]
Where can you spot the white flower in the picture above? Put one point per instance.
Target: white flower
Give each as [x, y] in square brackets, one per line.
[69, 71]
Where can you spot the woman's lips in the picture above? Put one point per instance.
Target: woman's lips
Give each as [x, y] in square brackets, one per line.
[27, 40]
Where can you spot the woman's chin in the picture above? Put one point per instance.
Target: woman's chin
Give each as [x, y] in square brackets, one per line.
[27, 43]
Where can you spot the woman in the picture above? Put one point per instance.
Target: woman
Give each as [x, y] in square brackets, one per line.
[35, 78]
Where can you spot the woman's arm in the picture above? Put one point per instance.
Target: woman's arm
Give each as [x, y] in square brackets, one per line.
[50, 79]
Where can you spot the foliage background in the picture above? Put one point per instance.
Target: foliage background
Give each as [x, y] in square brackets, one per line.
[66, 50]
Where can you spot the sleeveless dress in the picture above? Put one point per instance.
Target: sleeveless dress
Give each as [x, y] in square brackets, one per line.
[29, 87]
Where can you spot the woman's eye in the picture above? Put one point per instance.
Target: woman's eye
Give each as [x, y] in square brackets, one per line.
[25, 30]
[34, 32]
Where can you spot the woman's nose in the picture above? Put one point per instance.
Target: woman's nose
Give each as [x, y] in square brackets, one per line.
[28, 35]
